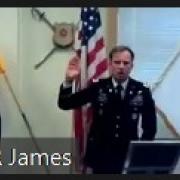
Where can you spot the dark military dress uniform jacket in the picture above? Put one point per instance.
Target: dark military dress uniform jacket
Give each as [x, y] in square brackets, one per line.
[116, 120]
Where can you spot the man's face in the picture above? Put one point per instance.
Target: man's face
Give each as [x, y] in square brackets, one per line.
[121, 65]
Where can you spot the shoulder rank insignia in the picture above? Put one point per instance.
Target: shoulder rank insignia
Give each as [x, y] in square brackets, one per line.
[147, 85]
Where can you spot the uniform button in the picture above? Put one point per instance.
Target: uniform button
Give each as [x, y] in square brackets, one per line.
[110, 90]
[117, 117]
[116, 135]
[117, 126]
[134, 116]
[101, 104]
[130, 92]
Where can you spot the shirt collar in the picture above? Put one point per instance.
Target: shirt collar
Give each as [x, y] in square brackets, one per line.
[124, 84]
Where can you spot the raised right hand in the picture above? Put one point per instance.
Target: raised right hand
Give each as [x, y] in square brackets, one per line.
[73, 69]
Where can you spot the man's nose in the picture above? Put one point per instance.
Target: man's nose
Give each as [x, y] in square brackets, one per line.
[121, 65]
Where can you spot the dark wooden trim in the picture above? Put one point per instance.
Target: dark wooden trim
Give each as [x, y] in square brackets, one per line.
[111, 39]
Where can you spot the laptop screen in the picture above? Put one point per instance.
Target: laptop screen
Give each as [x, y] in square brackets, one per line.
[152, 156]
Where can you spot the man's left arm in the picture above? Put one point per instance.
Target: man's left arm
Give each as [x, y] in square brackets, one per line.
[149, 119]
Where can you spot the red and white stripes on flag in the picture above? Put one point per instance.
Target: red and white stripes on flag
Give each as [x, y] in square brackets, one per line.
[90, 47]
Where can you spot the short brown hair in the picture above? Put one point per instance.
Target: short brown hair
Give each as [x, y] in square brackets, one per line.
[121, 49]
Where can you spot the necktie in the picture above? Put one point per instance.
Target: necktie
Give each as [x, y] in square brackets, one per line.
[120, 91]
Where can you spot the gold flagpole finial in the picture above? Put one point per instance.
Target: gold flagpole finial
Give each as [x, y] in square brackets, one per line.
[2, 64]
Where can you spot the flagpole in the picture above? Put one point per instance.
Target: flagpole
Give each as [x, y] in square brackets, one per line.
[84, 80]
[72, 168]
[74, 148]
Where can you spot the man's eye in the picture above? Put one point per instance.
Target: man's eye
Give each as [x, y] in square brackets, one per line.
[117, 62]
[126, 63]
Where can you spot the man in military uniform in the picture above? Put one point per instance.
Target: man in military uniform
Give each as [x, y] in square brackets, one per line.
[123, 110]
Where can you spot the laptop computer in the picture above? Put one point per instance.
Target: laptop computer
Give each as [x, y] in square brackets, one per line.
[152, 157]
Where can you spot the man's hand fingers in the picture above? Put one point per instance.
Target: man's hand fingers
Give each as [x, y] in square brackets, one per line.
[73, 69]
[75, 60]
[74, 63]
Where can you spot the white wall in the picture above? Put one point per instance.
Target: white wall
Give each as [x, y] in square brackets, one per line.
[12, 124]
[153, 33]
[40, 87]
[24, 42]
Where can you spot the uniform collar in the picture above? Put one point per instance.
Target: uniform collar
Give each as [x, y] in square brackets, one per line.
[123, 84]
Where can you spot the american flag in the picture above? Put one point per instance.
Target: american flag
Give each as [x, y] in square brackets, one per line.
[90, 47]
